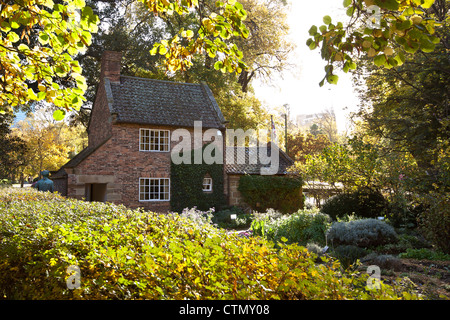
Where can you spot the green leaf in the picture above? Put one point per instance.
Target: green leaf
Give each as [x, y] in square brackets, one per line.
[347, 3]
[13, 37]
[332, 79]
[312, 31]
[43, 38]
[59, 115]
[14, 24]
[387, 4]
[427, 4]
[426, 45]
[380, 60]
[327, 20]
[218, 65]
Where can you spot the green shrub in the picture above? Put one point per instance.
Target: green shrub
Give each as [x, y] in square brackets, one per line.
[435, 221]
[362, 233]
[410, 240]
[131, 254]
[363, 203]
[264, 192]
[348, 254]
[425, 254]
[223, 219]
[403, 213]
[302, 227]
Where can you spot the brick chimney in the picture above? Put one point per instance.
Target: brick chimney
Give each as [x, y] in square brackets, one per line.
[110, 65]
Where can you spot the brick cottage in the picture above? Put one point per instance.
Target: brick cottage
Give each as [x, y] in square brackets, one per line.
[128, 158]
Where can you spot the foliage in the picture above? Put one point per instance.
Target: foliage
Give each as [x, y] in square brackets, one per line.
[12, 148]
[187, 185]
[348, 254]
[47, 146]
[302, 227]
[396, 28]
[363, 203]
[276, 192]
[405, 241]
[300, 145]
[133, 31]
[434, 222]
[424, 254]
[214, 29]
[267, 48]
[408, 108]
[38, 40]
[131, 254]
[223, 218]
[366, 233]
[199, 217]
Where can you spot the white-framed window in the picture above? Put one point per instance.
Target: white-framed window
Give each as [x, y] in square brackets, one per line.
[207, 184]
[154, 140]
[154, 189]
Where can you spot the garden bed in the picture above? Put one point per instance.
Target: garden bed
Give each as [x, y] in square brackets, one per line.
[431, 278]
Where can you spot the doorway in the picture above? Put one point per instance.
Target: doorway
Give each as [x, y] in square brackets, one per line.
[95, 192]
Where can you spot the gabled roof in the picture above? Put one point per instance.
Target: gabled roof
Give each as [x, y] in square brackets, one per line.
[244, 161]
[157, 102]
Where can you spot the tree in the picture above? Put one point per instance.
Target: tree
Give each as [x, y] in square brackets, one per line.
[382, 30]
[266, 49]
[12, 149]
[209, 34]
[409, 106]
[49, 144]
[133, 31]
[47, 70]
[327, 124]
[301, 145]
[38, 40]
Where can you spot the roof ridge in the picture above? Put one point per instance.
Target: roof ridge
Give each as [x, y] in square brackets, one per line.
[164, 81]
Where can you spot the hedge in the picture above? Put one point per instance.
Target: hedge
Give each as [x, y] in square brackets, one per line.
[132, 254]
[282, 193]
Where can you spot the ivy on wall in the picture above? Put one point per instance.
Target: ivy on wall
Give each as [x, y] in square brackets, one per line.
[282, 193]
[187, 186]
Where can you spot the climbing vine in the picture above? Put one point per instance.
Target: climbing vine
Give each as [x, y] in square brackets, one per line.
[187, 186]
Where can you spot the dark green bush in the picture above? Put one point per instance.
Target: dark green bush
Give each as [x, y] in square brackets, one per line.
[281, 193]
[348, 254]
[425, 254]
[223, 218]
[403, 212]
[435, 221]
[364, 203]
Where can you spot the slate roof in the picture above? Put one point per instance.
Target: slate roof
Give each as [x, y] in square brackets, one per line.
[157, 102]
[244, 162]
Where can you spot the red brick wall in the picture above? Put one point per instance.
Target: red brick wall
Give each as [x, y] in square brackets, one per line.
[120, 164]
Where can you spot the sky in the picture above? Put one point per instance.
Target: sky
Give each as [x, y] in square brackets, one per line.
[300, 88]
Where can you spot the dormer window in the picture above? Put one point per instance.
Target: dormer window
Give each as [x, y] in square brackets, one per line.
[154, 140]
[207, 184]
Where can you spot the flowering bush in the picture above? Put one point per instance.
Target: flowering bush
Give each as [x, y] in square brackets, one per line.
[117, 253]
